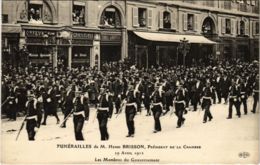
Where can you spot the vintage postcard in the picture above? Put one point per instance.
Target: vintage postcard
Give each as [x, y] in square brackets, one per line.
[129, 81]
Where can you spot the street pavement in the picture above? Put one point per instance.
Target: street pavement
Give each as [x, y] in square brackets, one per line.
[219, 136]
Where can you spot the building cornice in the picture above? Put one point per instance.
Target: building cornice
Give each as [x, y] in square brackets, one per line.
[182, 6]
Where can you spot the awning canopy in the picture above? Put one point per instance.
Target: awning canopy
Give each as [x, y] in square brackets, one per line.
[162, 37]
[11, 28]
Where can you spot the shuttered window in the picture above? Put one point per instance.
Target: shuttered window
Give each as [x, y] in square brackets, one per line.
[173, 20]
[135, 17]
[150, 18]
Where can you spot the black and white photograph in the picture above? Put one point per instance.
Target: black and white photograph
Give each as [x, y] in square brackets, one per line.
[130, 82]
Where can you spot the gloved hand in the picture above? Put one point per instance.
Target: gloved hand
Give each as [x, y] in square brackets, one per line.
[36, 129]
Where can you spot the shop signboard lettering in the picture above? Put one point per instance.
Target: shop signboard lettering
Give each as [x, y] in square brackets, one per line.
[81, 42]
[40, 37]
[111, 37]
[39, 33]
[86, 36]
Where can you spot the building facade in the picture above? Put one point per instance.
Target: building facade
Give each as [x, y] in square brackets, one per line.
[92, 32]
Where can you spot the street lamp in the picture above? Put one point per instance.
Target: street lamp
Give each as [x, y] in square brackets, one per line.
[184, 47]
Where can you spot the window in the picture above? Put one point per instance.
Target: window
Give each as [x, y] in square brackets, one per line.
[242, 27]
[257, 28]
[35, 13]
[110, 17]
[4, 18]
[210, 3]
[166, 20]
[227, 4]
[228, 26]
[190, 22]
[142, 17]
[78, 14]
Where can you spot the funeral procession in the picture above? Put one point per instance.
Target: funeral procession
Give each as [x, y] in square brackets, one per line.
[130, 69]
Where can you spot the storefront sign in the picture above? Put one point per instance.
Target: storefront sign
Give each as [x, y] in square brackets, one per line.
[82, 42]
[111, 37]
[39, 33]
[40, 37]
[86, 36]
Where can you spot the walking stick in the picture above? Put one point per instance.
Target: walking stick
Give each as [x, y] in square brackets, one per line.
[5, 101]
[172, 111]
[18, 134]
[66, 118]
[121, 108]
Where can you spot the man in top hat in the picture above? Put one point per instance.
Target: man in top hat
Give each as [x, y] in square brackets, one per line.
[180, 95]
[207, 96]
[12, 103]
[158, 102]
[104, 111]
[50, 105]
[197, 86]
[225, 87]
[117, 88]
[255, 93]
[244, 94]
[79, 114]
[147, 91]
[130, 110]
[32, 119]
[68, 103]
[218, 83]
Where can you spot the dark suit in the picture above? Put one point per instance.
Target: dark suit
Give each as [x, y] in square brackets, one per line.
[50, 103]
[68, 104]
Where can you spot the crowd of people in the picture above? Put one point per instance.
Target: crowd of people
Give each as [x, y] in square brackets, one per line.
[118, 87]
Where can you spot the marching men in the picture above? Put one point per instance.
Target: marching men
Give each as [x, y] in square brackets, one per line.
[180, 95]
[157, 107]
[130, 110]
[79, 114]
[104, 111]
[32, 118]
[207, 101]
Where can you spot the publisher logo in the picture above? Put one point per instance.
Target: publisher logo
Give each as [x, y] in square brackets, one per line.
[243, 154]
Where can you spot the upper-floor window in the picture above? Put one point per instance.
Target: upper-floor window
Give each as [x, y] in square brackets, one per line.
[190, 22]
[78, 13]
[208, 26]
[257, 28]
[166, 20]
[242, 28]
[110, 17]
[35, 13]
[190, 1]
[228, 26]
[142, 15]
[209, 3]
[227, 4]
[4, 18]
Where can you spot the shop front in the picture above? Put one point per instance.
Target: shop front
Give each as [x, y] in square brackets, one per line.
[40, 45]
[110, 47]
[148, 49]
[242, 51]
[74, 48]
[10, 44]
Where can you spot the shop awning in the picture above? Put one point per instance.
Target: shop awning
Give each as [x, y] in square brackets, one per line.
[11, 28]
[162, 37]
